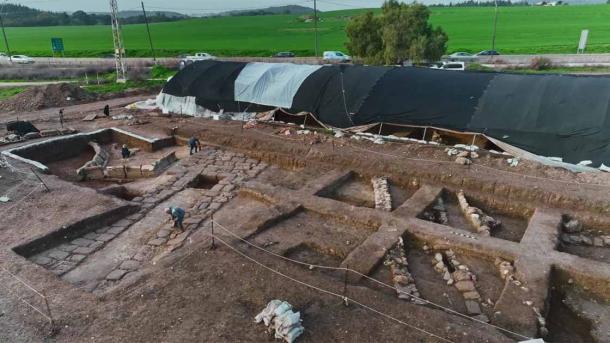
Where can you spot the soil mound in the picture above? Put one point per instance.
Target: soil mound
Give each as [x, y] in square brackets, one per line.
[37, 98]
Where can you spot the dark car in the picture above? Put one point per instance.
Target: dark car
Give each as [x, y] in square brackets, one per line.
[488, 53]
[284, 54]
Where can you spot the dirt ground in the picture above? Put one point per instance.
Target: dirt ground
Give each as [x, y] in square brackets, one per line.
[191, 292]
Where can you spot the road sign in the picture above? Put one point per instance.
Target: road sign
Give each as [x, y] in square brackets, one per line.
[57, 44]
[584, 35]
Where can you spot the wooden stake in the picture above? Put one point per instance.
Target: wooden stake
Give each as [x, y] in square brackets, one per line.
[39, 179]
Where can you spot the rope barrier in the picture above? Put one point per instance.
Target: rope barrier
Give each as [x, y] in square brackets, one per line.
[368, 278]
[331, 293]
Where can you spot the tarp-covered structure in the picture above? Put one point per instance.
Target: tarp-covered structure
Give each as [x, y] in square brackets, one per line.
[561, 116]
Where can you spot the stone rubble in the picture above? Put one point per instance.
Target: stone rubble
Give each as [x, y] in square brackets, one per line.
[383, 198]
[462, 279]
[404, 282]
[481, 222]
[574, 233]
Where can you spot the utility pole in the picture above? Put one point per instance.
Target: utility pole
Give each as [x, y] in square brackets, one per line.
[8, 49]
[315, 23]
[152, 49]
[493, 37]
[119, 50]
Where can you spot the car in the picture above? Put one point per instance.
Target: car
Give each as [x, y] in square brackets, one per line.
[336, 56]
[459, 66]
[200, 56]
[488, 53]
[22, 59]
[461, 56]
[284, 54]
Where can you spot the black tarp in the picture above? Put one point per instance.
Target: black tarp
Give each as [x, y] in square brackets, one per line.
[20, 127]
[548, 115]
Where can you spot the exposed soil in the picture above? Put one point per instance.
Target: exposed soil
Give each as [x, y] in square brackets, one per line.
[37, 98]
[197, 294]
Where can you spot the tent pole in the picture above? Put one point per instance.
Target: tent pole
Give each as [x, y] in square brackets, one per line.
[424, 137]
[380, 127]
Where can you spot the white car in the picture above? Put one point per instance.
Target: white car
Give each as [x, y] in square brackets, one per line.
[449, 66]
[461, 56]
[200, 56]
[336, 56]
[22, 59]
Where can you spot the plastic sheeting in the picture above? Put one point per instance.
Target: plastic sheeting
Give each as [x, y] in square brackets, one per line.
[546, 115]
[278, 316]
[273, 84]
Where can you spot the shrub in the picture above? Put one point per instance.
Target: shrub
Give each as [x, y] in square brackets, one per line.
[541, 63]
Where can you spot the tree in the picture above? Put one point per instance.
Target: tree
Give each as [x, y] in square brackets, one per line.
[401, 32]
[364, 32]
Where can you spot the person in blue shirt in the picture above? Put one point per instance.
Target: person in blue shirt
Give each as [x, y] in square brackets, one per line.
[177, 215]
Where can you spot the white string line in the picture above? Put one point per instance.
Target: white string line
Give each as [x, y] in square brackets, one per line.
[8, 290]
[23, 282]
[369, 278]
[20, 200]
[344, 298]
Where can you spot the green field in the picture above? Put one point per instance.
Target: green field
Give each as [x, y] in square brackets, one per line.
[520, 30]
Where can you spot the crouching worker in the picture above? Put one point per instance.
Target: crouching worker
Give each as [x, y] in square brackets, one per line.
[177, 215]
[194, 144]
[125, 151]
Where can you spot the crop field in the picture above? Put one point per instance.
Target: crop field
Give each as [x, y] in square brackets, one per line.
[520, 30]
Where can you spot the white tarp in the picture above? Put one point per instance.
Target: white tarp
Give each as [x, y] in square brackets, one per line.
[271, 84]
[177, 104]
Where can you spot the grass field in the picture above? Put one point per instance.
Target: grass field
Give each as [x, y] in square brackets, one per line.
[520, 30]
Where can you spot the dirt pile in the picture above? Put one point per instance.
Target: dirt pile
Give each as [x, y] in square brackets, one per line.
[37, 98]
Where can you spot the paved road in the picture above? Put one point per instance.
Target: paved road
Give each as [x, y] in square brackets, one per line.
[31, 83]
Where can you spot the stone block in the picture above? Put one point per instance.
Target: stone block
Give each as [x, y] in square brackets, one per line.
[157, 242]
[473, 295]
[130, 265]
[57, 254]
[472, 307]
[105, 237]
[67, 247]
[163, 233]
[102, 230]
[465, 286]
[82, 242]
[84, 250]
[144, 254]
[116, 229]
[42, 260]
[92, 236]
[116, 172]
[116, 275]
[77, 258]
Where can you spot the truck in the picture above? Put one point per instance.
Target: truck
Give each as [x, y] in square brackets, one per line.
[200, 56]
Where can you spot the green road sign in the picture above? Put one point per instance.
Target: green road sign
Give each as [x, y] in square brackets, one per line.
[57, 44]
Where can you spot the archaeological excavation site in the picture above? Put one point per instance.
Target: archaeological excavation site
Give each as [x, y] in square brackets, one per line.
[307, 217]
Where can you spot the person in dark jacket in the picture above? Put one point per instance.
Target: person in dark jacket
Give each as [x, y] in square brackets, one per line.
[107, 110]
[177, 215]
[194, 144]
[125, 151]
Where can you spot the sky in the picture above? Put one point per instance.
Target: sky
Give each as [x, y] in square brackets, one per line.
[198, 7]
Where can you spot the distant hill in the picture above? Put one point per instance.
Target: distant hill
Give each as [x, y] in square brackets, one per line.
[289, 9]
[23, 16]
[131, 14]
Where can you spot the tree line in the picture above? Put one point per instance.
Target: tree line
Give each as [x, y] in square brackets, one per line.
[23, 16]
[472, 3]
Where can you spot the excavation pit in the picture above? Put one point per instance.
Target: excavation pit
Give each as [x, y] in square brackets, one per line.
[357, 190]
[202, 181]
[95, 159]
[65, 247]
[514, 221]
